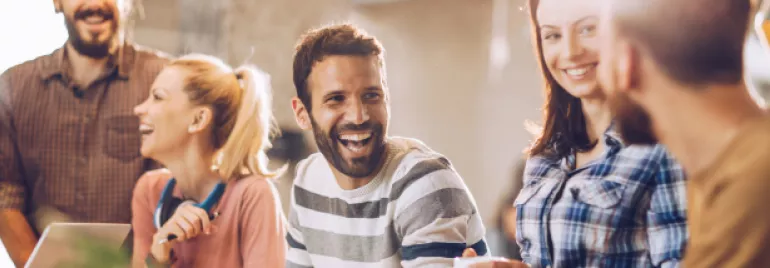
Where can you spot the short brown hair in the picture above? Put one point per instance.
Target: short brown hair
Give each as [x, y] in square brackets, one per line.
[340, 39]
[695, 42]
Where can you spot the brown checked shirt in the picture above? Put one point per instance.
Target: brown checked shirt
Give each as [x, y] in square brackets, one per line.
[73, 150]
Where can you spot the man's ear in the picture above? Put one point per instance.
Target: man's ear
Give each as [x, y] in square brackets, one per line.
[57, 6]
[301, 114]
[629, 66]
[202, 118]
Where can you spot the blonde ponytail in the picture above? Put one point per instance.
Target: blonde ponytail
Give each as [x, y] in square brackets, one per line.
[244, 149]
[243, 115]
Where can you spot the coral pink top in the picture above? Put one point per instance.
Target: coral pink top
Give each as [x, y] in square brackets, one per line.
[249, 231]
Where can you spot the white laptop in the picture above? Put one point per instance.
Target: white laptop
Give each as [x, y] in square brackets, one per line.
[59, 242]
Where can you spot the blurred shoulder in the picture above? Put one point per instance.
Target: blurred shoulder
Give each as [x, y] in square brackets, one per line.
[419, 170]
[410, 153]
[145, 63]
[747, 160]
[154, 179]
[38, 66]
[150, 56]
[539, 166]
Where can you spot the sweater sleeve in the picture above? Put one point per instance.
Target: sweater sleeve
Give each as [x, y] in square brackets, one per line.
[437, 219]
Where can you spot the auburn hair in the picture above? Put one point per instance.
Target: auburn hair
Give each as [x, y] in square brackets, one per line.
[564, 125]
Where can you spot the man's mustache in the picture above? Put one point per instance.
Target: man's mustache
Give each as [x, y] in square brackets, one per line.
[368, 125]
[85, 13]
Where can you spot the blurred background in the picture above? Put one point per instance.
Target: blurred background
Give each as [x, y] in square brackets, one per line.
[461, 73]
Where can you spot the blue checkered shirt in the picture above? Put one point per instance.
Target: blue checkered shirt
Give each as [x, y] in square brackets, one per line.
[624, 209]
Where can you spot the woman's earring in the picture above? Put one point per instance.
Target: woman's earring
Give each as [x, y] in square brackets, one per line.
[195, 124]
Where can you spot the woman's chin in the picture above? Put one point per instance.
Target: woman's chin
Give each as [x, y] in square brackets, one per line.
[585, 90]
[145, 151]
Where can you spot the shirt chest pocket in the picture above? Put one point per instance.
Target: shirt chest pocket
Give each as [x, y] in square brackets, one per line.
[527, 193]
[121, 139]
[535, 193]
[606, 193]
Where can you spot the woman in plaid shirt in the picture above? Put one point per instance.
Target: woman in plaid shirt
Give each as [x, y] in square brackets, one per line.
[588, 199]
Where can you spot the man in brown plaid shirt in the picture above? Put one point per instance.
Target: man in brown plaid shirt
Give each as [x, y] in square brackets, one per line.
[69, 142]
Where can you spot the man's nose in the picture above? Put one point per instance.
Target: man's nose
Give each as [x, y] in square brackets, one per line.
[356, 112]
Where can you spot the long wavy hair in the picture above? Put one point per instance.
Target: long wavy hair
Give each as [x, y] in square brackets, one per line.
[564, 127]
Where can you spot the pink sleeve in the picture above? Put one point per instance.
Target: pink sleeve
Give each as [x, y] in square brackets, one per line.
[141, 220]
[263, 239]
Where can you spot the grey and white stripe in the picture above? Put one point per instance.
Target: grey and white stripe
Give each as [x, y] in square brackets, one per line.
[421, 202]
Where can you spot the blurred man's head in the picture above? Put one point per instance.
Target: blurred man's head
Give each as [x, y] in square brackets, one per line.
[93, 25]
[761, 24]
[650, 43]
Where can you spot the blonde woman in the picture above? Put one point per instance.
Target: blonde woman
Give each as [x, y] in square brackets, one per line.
[214, 205]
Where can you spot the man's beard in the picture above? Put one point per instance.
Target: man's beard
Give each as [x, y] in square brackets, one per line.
[95, 48]
[360, 167]
[633, 122]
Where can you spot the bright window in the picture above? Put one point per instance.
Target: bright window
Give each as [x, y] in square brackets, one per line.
[30, 28]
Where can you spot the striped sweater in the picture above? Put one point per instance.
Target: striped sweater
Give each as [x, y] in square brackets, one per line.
[416, 212]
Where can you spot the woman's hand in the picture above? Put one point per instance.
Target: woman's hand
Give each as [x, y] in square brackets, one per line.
[187, 222]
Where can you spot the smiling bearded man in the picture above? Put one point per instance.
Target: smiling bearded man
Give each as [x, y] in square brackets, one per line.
[368, 200]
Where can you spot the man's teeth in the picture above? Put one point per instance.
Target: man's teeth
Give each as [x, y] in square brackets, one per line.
[577, 71]
[355, 142]
[94, 19]
[355, 137]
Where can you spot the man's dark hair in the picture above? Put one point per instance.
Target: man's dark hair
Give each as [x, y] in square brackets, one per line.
[316, 44]
[695, 42]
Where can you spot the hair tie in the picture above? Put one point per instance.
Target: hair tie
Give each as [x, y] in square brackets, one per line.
[239, 78]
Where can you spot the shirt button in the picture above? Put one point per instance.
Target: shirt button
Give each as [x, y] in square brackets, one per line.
[80, 197]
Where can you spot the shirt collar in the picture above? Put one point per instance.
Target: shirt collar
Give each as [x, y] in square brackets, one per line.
[123, 59]
[612, 140]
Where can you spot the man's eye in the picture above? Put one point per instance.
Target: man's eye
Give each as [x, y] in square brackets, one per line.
[371, 96]
[335, 99]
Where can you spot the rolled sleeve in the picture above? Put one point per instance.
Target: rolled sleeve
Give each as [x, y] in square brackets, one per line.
[12, 187]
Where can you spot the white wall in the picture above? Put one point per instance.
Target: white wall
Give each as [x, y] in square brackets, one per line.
[42, 32]
[437, 59]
